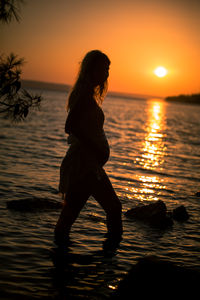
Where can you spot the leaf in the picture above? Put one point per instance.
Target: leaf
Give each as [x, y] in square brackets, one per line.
[17, 85]
[26, 112]
[16, 110]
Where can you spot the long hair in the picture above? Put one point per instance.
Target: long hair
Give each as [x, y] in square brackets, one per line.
[91, 83]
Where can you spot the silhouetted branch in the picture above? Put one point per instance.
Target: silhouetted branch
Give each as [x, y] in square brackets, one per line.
[9, 10]
[14, 101]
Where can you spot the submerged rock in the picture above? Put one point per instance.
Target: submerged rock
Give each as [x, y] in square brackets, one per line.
[154, 213]
[180, 213]
[32, 205]
[158, 278]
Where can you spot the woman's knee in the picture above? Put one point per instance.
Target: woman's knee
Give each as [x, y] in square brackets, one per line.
[115, 208]
[118, 206]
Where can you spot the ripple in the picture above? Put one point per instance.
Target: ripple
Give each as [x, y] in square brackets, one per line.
[30, 162]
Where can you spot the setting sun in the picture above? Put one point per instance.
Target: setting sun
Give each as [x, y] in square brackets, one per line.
[160, 71]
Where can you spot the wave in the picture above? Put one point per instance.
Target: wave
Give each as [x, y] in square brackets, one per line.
[152, 172]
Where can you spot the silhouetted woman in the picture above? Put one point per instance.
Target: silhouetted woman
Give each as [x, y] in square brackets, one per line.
[81, 173]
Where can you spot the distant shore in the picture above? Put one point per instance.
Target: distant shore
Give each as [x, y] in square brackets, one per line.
[59, 87]
[32, 84]
[186, 99]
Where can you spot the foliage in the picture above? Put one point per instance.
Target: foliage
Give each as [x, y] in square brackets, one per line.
[9, 10]
[15, 102]
[190, 99]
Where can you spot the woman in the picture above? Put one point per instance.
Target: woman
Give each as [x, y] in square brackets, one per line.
[81, 173]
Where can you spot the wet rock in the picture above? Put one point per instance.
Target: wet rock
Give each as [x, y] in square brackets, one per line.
[158, 278]
[32, 205]
[155, 214]
[180, 214]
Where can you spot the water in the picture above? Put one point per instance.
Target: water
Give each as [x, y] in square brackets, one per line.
[154, 155]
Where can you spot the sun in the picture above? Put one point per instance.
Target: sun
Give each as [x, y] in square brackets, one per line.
[160, 71]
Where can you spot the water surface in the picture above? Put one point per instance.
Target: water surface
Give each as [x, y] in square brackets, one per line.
[154, 156]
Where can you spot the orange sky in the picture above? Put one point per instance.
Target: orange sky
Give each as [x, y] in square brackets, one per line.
[138, 36]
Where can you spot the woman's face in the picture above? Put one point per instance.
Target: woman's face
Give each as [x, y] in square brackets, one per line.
[103, 72]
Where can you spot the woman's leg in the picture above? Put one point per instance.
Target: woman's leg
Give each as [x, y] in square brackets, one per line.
[102, 190]
[74, 202]
[104, 193]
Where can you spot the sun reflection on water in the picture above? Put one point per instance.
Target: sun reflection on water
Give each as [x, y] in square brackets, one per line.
[154, 148]
[152, 153]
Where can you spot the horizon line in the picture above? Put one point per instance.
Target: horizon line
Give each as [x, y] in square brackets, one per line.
[31, 83]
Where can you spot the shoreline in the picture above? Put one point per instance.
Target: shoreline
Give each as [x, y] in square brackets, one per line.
[185, 99]
[59, 87]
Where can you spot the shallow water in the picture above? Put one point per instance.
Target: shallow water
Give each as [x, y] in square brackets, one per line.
[154, 156]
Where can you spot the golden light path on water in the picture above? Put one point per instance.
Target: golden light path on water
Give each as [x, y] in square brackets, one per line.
[154, 148]
[152, 153]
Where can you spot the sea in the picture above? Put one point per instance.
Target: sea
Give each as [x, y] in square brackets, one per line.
[155, 155]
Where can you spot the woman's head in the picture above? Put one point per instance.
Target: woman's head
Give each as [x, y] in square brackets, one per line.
[94, 68]
[92, 78]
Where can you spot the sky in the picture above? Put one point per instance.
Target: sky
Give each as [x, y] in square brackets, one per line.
[54, 35]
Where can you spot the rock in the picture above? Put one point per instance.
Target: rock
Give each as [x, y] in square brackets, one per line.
[197, 194]
[159, 279]
[180, 213]
[155, 214]
[32, 205]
